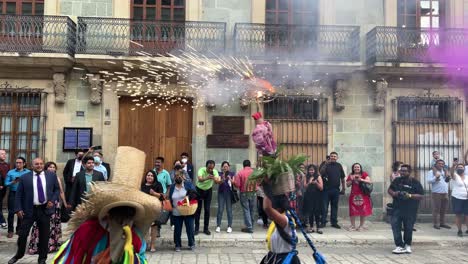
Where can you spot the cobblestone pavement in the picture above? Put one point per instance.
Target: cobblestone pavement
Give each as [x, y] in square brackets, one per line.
[333, 254]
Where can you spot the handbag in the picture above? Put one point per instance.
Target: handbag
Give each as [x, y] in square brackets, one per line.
[163, 218]
[166, 205]
[366, 187]
[234, 195]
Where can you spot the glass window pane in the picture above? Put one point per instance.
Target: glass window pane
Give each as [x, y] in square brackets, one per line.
[26, 9]
[6, 124]
[22, 154]
[5, 102]
[310, 19]
[298, 19]
[410, 7]
[410, 21]
[179, 14]
[150, 13]
[151, 2]
[33, 155]
[179, 2]
[270, 4]
[22, 124]
[309, 5]
[28, 103]
[283, 4]
[425, 22]
[166, 2]
[5, 141]
[270, 18]
[283, 18]
[22, 143]
[39, 9]
[137, 2]
[435, 22]
[138, 12]
[35, 124]
[165, 14]
[425, 8]
[11, 8]
[435, 8]
[34, 142]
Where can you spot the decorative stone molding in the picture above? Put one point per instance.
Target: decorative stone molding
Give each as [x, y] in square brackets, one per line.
[380, 95]
[339, 93]
[60, 88]
[95, 83]
[244, 103]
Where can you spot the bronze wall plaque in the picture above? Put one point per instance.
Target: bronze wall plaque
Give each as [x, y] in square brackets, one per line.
[227, 141]
[228, 125]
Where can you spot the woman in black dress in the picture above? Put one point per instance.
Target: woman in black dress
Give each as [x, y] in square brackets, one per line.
[313, 203]
[154, 188]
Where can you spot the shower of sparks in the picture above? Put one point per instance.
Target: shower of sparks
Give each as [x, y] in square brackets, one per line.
[177, 79]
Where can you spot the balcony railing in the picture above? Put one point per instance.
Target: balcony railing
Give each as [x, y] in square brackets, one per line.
[115, 36]
[37, 34]
[414, 45]
[303, 42]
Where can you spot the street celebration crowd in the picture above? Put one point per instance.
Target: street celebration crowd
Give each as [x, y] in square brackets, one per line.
[41, 200]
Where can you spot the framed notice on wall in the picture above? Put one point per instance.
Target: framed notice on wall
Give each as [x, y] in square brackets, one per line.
[77, 138]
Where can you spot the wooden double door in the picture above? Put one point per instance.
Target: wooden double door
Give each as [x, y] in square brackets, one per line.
[156, 131]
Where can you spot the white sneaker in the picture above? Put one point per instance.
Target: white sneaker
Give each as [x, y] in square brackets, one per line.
[408, 249]
[172, 227]
[399, 250]
[218, 229]
[229, 230]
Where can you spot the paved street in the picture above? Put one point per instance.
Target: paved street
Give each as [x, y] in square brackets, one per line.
[241, 255]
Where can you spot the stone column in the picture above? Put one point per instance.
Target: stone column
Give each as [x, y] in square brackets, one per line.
[380, 95]
[391, 13]
[339, 93]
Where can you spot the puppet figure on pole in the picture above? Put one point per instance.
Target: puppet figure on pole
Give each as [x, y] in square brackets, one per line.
[276, 177]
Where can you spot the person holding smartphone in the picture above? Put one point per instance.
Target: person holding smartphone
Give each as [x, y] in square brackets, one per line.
[12, 180]
[207, 176]
[438, 178]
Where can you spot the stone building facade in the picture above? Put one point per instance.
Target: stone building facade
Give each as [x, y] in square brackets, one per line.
[361, 58]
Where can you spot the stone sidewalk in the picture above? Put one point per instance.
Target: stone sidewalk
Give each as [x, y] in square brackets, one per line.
[378, 233]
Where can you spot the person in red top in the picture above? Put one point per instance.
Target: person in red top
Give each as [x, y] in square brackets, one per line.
[359, 203]
[4, 168]
[247, 195]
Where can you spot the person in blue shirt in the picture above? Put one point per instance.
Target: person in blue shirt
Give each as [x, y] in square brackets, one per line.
[11, 181]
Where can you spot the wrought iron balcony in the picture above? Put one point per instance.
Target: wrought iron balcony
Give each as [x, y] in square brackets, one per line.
[303, 42]
[414, 45]
[37, 34]
[115, 36]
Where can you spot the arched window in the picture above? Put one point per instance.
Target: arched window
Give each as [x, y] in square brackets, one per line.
[22, 7]
[168, 10]
[300, 12]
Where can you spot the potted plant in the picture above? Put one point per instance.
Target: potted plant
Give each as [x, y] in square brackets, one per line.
[279, 172]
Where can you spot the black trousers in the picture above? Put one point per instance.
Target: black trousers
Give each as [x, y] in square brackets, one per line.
[2, 195]
[407, 220]
[204, 199]
[11, 213]
[43, 223]
[260, 210]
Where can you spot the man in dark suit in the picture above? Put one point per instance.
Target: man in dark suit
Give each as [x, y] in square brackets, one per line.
[34, 202]
[83, 180]
[72, 167]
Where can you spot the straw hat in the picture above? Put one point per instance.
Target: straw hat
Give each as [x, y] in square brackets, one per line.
[122, 190]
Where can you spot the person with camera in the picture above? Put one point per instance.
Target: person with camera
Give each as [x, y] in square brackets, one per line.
[438, 179]
[406, 192]
[207, 176]
[332, 174]
[224, 197]
[459, 185]
[359, 200]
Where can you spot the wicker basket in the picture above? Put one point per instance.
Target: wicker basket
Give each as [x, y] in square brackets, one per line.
[285, 183]
[187, 209]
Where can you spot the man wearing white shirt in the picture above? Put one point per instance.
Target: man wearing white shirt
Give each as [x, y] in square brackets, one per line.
[34, 203]
[72, 167]
[438, 178]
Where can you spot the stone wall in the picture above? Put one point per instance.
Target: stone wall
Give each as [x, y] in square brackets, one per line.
[100, 8]
[358, 136]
